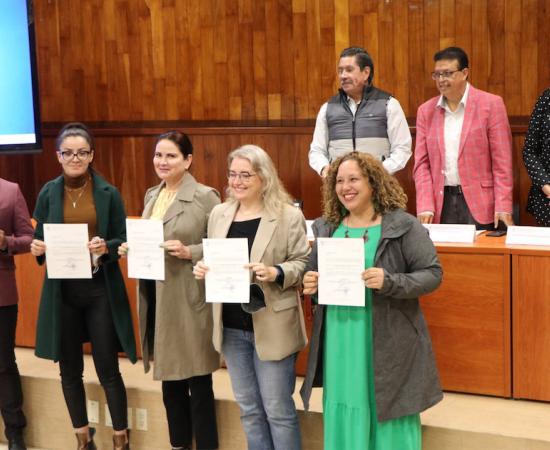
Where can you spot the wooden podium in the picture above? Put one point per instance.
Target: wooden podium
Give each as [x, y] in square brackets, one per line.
[531, 322]
[469, 317]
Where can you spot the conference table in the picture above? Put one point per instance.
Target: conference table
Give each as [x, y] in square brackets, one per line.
[489, 320]
[469, 317]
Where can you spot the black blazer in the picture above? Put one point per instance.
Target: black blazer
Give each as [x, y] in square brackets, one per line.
[536, 157]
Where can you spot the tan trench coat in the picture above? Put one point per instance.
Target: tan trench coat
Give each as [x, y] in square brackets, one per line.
[179, 332]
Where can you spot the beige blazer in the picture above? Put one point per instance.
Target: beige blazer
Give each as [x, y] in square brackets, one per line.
[179, 333]
[279, 329]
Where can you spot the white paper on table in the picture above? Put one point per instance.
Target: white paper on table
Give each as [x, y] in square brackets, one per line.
[517, 235]
[463, 234]
[227, 280]
[145, 254]
[340, 263]
[67, 253]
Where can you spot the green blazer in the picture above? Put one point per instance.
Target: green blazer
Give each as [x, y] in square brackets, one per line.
[111, 226]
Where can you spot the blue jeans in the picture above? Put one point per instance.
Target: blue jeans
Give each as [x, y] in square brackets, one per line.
[263, 390]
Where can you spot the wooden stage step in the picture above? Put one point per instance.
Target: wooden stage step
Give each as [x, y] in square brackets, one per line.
[459, 422]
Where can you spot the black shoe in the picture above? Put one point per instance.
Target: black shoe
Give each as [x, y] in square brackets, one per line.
[121, 441]
[83, 442]
[17, 443]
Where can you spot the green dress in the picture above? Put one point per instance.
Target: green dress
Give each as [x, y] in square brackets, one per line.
[349, 405]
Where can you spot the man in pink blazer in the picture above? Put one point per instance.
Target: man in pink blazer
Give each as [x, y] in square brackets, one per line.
[463, 155]
[16, 234]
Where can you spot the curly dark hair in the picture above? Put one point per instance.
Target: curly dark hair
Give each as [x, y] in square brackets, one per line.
[387, 193]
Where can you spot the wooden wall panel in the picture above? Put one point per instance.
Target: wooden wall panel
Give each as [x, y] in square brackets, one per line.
[120, 60]
[126, 161]
[262, 68]
[124, 157]
[512, 42]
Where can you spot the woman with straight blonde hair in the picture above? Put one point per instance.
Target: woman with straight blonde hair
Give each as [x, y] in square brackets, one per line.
[260, 344]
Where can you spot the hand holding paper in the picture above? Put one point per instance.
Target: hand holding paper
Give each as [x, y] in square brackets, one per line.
[341, 262]
[67, 254]
[311, 282]
[145, 256]
[227, 278]
[374, 277]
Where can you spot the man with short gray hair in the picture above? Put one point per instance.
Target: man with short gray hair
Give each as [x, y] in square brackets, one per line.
[360, 118]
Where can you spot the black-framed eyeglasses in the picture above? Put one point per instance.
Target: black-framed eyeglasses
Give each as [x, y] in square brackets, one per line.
[243, 176]
[446, 74]
[81, 155]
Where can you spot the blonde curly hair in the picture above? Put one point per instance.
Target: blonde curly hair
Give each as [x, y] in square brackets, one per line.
[387, 193]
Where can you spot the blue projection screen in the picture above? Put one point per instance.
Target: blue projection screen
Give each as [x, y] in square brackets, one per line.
[19, 111]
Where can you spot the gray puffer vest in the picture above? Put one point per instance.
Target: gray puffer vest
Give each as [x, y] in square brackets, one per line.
[366, 131]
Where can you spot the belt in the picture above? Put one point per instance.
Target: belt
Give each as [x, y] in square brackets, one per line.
[453, 190]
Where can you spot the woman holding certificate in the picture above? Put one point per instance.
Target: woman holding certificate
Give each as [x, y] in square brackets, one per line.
[259, 345]
[375, 361]
[175, 321]
[92, 309]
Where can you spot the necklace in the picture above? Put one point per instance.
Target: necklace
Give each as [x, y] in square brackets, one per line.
[80, 191]
[346, 233]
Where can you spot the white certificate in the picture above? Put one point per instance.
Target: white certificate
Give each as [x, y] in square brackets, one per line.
[67, 253]
[145, 254]
[341, 262]
[228, 280]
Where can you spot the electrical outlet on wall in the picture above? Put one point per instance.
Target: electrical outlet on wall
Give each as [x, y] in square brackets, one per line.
[141, 419]
[93, 411]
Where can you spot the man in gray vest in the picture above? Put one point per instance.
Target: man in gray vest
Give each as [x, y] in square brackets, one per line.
[360, 118]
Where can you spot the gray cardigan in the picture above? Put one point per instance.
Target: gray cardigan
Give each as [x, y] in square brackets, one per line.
[405, 374]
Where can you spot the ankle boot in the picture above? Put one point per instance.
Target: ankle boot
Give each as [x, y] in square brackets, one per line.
[17, 443]
[121, 441]
[85, 441]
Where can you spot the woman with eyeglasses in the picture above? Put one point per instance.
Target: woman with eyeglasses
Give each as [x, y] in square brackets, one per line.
[374, 362]
[73, 311]
[260, 344]
[175, 321]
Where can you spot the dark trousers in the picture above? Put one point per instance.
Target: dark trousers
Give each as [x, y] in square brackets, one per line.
[190, 409]
[455, 210]
[86, 313]
[11, 394]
